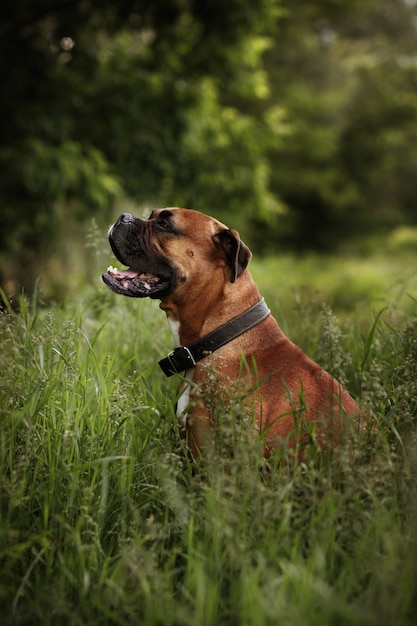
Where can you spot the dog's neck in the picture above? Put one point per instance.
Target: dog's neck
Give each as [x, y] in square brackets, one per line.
[185, 357]
[190, 320]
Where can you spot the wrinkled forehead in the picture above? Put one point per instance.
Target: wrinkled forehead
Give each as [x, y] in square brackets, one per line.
[187, 218]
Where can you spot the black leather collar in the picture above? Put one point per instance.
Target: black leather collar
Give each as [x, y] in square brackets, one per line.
[185, 357]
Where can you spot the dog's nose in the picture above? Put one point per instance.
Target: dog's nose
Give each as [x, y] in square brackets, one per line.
[126, 218]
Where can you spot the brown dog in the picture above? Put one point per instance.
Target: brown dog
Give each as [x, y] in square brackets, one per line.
[197, 266]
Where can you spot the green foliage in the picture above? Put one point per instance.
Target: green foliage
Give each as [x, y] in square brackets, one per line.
[294, 122]
[67, 172]
[127, 99]
[104, 521]
[215, 139]
[346, 77]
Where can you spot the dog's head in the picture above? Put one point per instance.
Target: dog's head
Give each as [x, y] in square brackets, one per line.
[165, 251]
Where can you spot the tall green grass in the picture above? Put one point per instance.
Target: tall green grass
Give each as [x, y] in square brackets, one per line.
[104, 521]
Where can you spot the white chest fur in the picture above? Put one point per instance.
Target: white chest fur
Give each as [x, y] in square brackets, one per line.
[184, 399]
[175, 330]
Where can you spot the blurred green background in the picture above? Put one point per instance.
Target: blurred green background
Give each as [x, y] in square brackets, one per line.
[293, 121]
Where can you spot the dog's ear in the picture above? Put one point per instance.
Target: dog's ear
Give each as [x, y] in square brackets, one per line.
[237, 253]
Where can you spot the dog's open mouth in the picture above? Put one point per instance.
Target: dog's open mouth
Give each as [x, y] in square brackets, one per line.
[135, 283]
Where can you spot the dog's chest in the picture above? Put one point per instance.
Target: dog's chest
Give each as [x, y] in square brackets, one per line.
[184, 389]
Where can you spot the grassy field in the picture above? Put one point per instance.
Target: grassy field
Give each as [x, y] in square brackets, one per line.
[102, 520]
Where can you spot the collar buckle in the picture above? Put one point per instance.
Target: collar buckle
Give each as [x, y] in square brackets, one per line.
[177, 361]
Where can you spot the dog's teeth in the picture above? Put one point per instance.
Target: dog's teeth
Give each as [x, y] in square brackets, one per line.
[112, 270]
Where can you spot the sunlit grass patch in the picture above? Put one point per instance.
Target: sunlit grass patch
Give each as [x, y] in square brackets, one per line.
[346, 283]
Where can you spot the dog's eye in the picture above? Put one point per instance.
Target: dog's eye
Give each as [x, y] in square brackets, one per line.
[163, 223]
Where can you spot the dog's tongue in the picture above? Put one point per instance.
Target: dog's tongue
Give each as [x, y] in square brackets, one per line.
[134, 283]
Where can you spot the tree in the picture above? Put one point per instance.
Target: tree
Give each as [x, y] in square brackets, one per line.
[345, 74]
[293, 121]
[125, 98]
